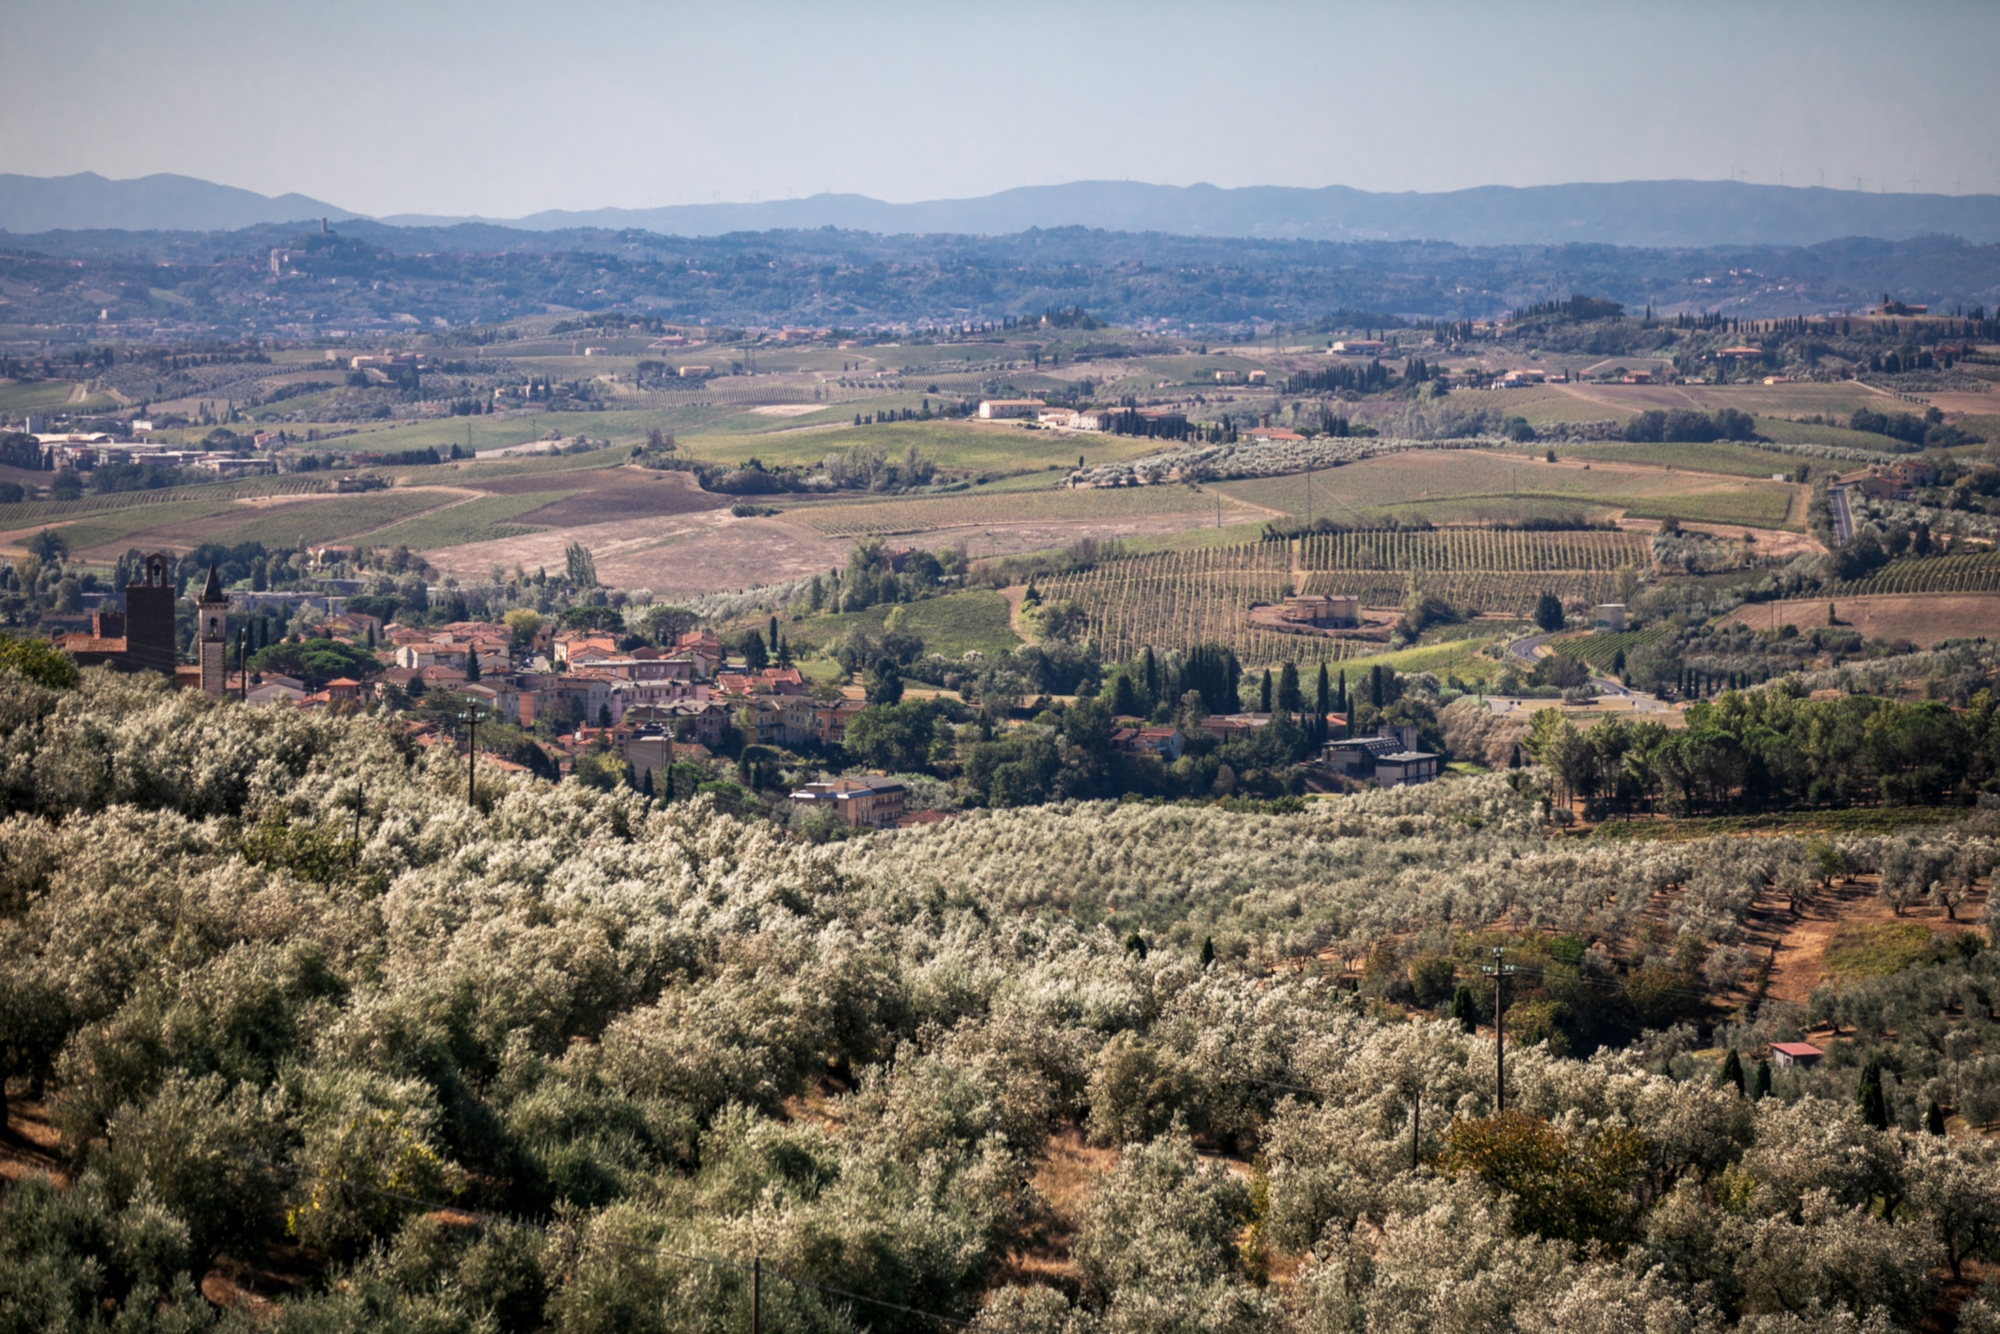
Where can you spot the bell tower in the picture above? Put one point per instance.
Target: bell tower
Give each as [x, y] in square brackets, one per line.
[212, 616]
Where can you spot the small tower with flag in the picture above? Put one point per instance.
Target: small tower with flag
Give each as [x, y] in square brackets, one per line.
[212, 615]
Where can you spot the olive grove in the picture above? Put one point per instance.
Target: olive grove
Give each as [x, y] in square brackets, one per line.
[561, 1059]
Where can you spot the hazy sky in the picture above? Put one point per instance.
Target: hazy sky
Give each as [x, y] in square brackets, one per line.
[496, 108]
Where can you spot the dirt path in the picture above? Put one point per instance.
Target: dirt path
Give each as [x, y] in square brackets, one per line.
[1798, 944]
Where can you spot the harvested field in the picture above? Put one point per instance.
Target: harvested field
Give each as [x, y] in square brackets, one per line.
[675, 555]
[1922, 619]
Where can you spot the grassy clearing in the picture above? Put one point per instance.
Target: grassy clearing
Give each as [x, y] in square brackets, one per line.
[953, 625]
[482, 520]
[1859, 820]
[1858, 950]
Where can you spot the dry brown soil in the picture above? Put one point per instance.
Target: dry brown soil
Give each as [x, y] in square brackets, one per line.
[1922, 618]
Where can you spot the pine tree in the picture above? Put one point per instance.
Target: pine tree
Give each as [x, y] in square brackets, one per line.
[1869, 1098]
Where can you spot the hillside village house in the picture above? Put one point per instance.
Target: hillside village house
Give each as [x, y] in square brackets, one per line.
[1165, 743]
[863, 803]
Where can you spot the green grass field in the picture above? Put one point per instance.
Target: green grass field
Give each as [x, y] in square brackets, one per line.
[482, 520]
[1859, 950]
[332, 519]
[953, 625]
[120, 525]
[1729, 460]
[1462, 484]
[18, 400]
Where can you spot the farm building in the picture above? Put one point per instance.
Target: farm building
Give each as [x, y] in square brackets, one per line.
[1799, 1054]
[995, 409]
[1610, 618]
[1390, 759]
[1322, 610]
[1359, 347]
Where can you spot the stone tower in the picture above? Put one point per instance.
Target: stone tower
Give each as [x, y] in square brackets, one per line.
[212, 615]
[149, 620]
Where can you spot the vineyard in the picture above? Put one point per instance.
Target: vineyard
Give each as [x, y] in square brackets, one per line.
[1600, 651]
[1179, 598]
[1977, 573]
[1173, 599]
[1456, 549]
[1478, 569]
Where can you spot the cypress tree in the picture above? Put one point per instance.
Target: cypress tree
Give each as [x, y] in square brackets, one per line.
[1934, 1118]
[1464, 1010]
[1731, 1072]
[1869, 1098]
[1208, 957]
[1760, 1083]
[1264, 693]
[1289, 698]
[1135, 944]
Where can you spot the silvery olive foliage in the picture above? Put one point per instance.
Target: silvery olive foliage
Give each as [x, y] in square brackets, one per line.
[539, 1061]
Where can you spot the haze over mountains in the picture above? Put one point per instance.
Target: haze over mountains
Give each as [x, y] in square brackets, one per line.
[1667, 214]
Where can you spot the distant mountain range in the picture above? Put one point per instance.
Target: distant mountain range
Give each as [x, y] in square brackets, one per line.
[1668, 214]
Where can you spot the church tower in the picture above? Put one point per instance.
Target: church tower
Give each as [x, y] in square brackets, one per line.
[212, 615]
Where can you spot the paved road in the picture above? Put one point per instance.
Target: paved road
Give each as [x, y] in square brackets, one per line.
[1526, 649]
[1843, 522]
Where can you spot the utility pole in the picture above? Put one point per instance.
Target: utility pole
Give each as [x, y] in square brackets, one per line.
[1499, 970]
[471, 720]
[1416, 1123]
